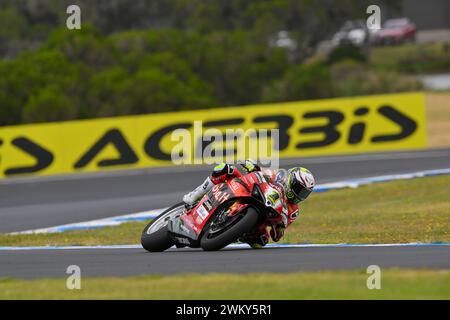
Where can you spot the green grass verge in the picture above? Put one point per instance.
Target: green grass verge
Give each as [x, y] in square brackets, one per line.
[395, 284]
[416, 210]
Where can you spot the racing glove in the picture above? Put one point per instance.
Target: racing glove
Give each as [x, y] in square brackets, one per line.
[250, 165]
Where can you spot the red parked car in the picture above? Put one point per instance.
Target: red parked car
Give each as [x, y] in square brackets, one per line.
[396, 31]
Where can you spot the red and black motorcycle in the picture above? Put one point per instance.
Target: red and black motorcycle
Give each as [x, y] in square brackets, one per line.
[228, 212]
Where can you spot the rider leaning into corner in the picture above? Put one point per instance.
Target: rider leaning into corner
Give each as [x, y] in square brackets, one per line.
[295, 184]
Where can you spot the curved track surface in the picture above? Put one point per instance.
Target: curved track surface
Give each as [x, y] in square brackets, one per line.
[43, 202]
[127, 262]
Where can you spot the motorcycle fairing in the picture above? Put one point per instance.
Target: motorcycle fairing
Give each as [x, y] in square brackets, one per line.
[190, 225]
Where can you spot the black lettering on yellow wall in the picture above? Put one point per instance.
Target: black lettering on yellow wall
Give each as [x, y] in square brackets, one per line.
[114, 137]
[329, 130]
[407, 125]
[284, 123]
[223, 122]
[357, 130]
[43, 157]
[206, 140]
[1, 143]
[204, 143]
[152, 144]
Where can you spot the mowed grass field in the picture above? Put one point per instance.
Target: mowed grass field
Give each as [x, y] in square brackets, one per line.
[395, 284]
[415, 210]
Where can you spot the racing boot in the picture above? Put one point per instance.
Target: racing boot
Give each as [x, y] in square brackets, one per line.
[192, 197]
[255, 241]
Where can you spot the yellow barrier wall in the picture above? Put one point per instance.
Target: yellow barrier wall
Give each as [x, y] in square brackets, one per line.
[310, 128]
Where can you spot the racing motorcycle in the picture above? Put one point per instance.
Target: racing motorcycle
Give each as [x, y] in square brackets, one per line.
[228, 212]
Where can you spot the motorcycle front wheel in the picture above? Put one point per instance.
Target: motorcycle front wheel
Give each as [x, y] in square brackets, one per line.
[225, 230]
[155, 237]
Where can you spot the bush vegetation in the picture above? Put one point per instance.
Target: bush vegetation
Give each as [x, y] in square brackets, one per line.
[135, 57]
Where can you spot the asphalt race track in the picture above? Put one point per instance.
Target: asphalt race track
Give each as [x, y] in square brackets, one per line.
[44, 202]
[127, 262]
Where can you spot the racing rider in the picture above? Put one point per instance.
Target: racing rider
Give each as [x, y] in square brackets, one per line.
[296, 184]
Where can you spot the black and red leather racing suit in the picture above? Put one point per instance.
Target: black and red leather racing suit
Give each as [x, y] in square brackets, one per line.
[278, 180]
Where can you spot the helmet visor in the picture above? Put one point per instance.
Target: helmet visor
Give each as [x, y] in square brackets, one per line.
[301, 193]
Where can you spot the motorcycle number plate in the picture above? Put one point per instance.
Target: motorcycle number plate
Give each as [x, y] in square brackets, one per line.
[202, 212]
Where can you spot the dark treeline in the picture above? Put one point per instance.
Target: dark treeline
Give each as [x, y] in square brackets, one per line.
[136, 56]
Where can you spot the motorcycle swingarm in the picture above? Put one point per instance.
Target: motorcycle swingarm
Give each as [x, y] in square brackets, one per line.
[182, 235]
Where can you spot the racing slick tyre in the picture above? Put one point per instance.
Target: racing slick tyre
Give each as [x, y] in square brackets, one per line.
[217, 238]
[155, 237]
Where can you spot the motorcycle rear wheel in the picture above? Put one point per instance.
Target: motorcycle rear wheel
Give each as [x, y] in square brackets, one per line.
[246, 222]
